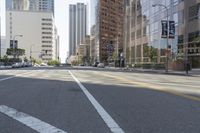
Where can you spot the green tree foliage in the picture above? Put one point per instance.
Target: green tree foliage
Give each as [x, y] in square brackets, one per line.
[74, 63]
[53, 63]
[16, 52]
[150, 51]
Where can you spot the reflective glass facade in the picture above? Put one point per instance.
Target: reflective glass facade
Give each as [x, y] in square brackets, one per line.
[142, 40]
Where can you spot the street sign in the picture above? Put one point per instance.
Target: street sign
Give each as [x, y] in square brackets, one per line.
[172, 29]
[164, 29]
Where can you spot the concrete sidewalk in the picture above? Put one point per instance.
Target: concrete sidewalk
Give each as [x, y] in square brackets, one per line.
[5, 67]
[194, 72]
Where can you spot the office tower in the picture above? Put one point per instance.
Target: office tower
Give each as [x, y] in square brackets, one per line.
[77, 26]
[72, 30]
[38, 30]
[109, 29]
[17, 4]
[42, 5]
[32, 5]
[143, 42]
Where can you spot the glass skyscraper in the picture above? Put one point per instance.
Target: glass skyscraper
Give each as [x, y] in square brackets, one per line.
[142, 32]
[41, 5]
[77, 26]
[33, 5]
[17, 4]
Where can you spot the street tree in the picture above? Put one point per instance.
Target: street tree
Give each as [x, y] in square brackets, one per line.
[16, 52]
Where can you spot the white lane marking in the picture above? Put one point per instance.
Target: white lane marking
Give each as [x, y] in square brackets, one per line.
[7, 78]
[110, 122]
[11, 77]
[30, 121]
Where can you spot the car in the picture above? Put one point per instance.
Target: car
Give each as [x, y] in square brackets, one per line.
[16, 65]
[111, 64]
[43, 64]
[100, 65]
[95, 64]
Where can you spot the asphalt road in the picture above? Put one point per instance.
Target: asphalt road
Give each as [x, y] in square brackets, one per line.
[93, 101]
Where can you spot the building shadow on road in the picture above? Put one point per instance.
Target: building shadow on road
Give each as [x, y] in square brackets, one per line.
[136, 109]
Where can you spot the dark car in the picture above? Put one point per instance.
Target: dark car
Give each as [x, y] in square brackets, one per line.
[95, 64]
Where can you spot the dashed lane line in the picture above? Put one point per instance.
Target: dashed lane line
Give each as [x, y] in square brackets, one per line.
[110, 122]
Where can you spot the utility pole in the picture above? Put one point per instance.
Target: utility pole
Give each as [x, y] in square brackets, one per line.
[167, 10]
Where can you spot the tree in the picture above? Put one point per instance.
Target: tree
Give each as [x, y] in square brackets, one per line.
[16, 52]
[74, 62]
[5, 60]
[115, 56]
[150, 51]
[53, 63]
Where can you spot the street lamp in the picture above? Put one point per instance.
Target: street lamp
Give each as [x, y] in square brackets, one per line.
[31, 52]
[161, 5]
[14, 39]
[14, 42]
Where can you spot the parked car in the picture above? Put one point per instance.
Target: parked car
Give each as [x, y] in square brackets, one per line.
[43, 64]
[100, 65]
[111, 64]
[95, 64]
[16, 65]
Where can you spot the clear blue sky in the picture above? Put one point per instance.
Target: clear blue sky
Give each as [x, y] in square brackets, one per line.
[62, 20]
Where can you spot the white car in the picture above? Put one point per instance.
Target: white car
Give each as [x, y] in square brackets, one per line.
[16, 65]
[100, 65]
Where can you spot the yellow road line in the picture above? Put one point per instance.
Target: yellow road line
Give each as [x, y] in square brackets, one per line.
[153, 87]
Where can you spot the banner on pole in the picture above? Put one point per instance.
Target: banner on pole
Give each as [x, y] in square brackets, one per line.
[172, 29]
[164, 29]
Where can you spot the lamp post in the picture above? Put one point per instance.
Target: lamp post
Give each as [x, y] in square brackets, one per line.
[161, 5]
[31, 52]
[14, 42]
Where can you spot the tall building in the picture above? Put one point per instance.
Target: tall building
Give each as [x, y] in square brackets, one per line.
[2, 47]
[57, 45]
[42, 5]
[17, 4]
[38, 30]
[81, 20]
[32, 5]
[77, 26]
[109, 24]
[93, 53]
[142, 37]
[72, 30]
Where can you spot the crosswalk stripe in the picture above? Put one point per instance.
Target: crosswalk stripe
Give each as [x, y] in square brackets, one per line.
[29, 121]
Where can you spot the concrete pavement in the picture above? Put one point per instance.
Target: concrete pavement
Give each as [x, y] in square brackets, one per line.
[137, 102]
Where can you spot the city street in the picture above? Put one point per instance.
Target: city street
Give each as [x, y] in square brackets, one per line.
[79, 100]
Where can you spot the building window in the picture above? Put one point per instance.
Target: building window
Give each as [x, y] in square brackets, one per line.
[50, 24]
[46, 41]
[194, 12]
[139, 33]
[180, 39]
[193, 36]
[47, 33]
